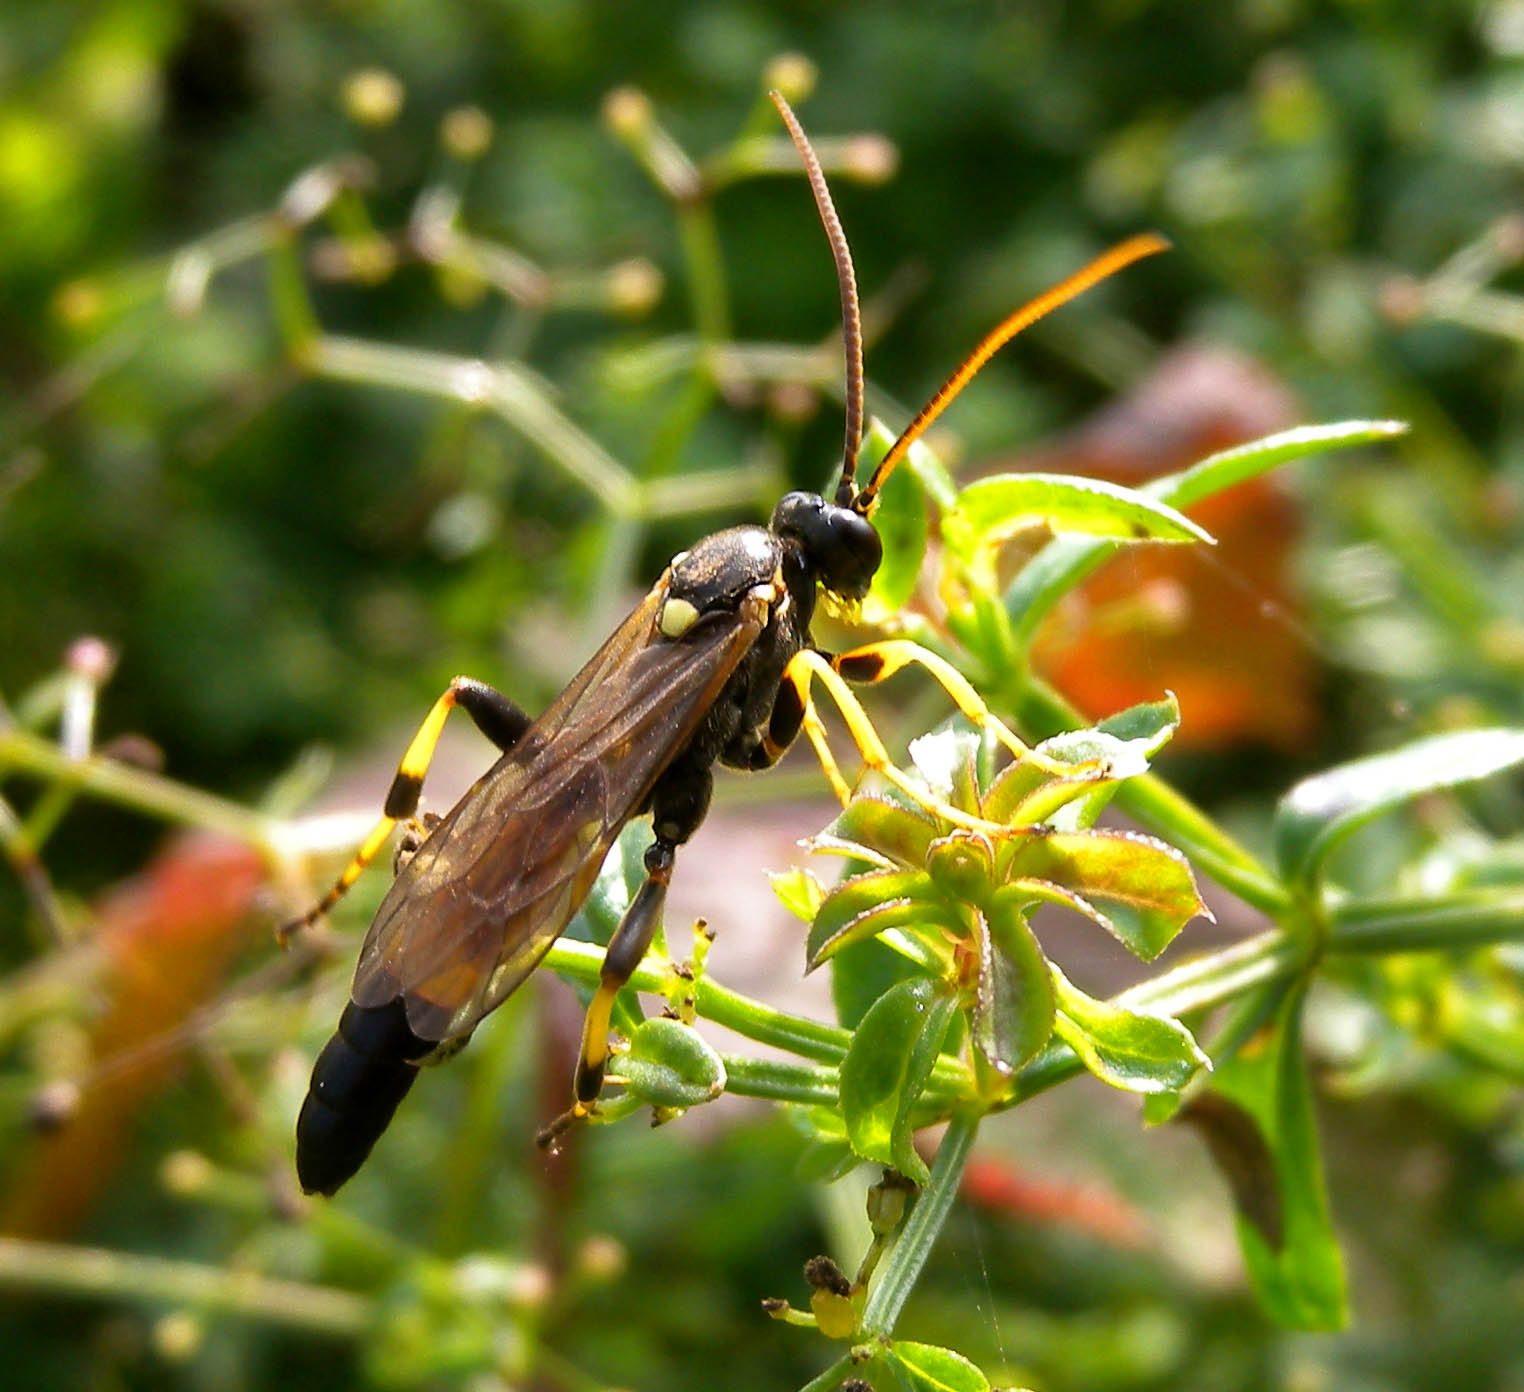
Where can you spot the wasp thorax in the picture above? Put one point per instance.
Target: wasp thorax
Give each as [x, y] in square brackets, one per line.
[842, 546]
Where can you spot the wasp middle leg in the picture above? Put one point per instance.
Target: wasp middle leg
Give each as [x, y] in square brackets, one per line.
[495, 716]
[678, 806]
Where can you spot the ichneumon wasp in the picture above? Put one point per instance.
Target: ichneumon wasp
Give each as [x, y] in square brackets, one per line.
[713, 666]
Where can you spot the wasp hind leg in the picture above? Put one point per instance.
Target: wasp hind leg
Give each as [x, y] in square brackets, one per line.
[495, 716]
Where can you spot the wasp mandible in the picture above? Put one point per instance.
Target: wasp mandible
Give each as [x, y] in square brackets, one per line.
[713, 666]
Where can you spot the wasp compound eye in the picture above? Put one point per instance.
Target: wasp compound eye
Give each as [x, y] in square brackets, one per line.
[842, 546]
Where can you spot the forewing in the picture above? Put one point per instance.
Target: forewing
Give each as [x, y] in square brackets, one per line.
[481, 901]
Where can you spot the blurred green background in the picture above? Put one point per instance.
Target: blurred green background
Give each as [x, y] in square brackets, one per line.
[281, 559]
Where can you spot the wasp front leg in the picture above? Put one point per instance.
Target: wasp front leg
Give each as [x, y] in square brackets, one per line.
[794, 711]
[808, 667]
[495, 716]
[873, 662]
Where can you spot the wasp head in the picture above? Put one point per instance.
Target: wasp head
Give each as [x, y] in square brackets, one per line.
[841, 546]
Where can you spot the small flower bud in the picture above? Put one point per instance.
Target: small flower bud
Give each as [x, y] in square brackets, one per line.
[185, 1173]
[793, 75]
[466, 132]
[634, 286]
[627, 112]
[372, 97]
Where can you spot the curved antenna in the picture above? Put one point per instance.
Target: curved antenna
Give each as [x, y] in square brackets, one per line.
[1106, 264]
[851, 315]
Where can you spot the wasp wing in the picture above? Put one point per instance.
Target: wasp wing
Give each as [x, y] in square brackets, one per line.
[478, 905]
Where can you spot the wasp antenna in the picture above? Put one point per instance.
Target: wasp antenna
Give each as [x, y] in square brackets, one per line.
[851, 314]
[1107, 264]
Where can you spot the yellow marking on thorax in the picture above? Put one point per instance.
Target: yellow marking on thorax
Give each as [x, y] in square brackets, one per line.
[677, 617]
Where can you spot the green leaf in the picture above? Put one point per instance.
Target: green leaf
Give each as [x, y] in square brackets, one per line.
[1133, 871]
[1065, 561]
[866, 905]
[621, 874]
[1129, 1050]
[1013, 1009]
[934, 479]
[1016, 782]
[610, 897]
[1300, 1282]
[1321, 812]
[828, 843]
[993, 509]
[1103, 762]
[799, 892]
[901, 524]
[925, 1047]
[1232, 466]
[825, 1161]
[1242, 1156]
[933, 1369]
[861, 972]
[891, 829]
[1147, 726]
[886, 1066]
[671, 1065]
[1118, 748]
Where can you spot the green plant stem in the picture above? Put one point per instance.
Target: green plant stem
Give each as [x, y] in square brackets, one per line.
[510, 392]
[1216, 979]
[706, 270]
[476, 1142]
[94, 1271]
[1425, 924]
[831, 1377]
[16, 846]
[780, 1081]
[295, 318]
[518, 398]
[138, 789]
[756, 1020]
[709, 490]
[902, 1263]
[798, 1034]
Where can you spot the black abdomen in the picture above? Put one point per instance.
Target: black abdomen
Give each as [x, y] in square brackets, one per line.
[362, 1074]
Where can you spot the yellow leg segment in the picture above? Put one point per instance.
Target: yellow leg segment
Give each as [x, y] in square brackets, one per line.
[592, 1059]
[808, 666]
[815, 731]
[595, 1037]
[401, 803]
[873, 662]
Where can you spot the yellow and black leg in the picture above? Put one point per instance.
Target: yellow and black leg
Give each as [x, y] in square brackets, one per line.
[496, 717]
[678, 806]
[873, 662]
[790, 706]
[624, 953]
[808, 666]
